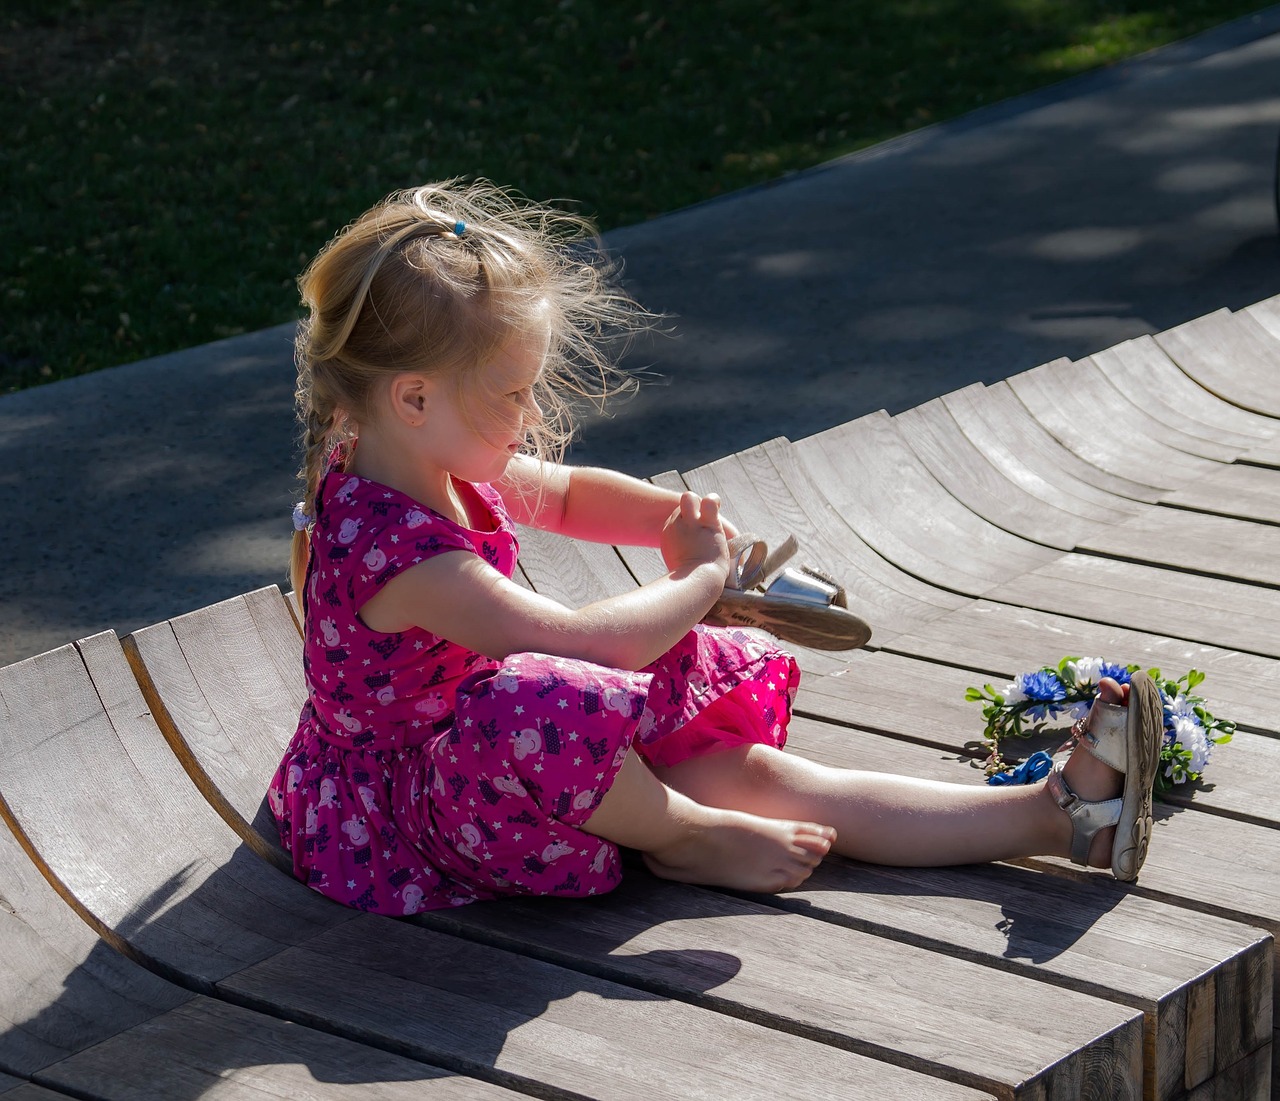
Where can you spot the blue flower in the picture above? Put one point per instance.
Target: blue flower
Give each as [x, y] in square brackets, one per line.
[1045, 689]
[1042, 686]
[1118, 673]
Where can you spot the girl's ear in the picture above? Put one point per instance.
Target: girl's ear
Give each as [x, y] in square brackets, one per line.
[409, 397]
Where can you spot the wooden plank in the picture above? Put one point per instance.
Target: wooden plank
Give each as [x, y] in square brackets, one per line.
[1204, 862]
[61, 988]
[1002, 428]
[234, 691]
[863, 999]
[1239, 779]
[1175, 399]
[647, 932]
[77, 1015]
[1126, 594]
[1079, 936]
[772, 494]
[1104, 428]
[1145, 408]
[1231, 355]
[1146, 598]
[590, 1037]
[1248, 1080]
[1002, 640]
[126, 834]
[512, 1046]
[571, 571]
[918, 525]
[955, 461]
[212, 1050]
[1217, 546]
[1247, 492]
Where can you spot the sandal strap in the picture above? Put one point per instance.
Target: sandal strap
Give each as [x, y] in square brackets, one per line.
[805, 586]
[778, 557]
[751, 562]
[1088, 816]
[747, 554]
[1104, 733]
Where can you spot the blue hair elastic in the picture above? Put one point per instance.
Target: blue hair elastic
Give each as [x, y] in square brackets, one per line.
[1036, 767]
[459, 228]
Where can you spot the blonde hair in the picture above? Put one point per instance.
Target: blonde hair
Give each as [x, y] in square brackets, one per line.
[436, 280]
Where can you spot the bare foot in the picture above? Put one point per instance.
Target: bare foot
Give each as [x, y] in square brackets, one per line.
[743, 851]
[1091, 779]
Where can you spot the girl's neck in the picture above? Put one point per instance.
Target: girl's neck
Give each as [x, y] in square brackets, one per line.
[404, 471]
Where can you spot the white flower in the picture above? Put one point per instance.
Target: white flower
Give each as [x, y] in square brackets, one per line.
[1086, 671]
[1012, 692]
[1180, 707]
[1190, 734]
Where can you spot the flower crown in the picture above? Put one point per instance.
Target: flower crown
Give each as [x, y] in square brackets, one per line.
[1069, 688]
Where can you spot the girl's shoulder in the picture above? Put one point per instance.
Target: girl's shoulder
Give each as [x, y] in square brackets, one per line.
[368, 533]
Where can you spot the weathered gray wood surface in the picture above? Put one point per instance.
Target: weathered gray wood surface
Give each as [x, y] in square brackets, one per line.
[1127, 505]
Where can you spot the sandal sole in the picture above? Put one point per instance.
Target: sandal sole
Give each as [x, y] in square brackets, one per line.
[1143, 737]
[820, 627]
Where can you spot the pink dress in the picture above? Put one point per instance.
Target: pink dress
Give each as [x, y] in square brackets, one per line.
[425, 775]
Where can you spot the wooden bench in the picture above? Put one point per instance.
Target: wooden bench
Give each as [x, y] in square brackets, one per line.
[152, 944]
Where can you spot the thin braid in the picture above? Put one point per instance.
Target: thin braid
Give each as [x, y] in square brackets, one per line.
[318, 437]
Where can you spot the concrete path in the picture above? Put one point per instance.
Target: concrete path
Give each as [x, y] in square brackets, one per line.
[1056, 224]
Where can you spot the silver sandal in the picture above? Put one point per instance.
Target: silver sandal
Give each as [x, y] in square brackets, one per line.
[800, 605]
[1128, 740]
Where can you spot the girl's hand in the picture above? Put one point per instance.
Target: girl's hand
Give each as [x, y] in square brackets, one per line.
[694, 534]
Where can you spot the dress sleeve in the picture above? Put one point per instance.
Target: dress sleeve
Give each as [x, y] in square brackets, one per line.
[366, 534]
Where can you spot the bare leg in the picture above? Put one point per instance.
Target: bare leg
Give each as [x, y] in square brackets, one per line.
[683, 840]
[886, 819]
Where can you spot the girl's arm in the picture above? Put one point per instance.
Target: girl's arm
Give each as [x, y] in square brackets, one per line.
[583, 502]
[460, 597]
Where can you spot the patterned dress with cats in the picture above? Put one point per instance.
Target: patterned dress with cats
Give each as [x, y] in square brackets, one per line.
[425, 775]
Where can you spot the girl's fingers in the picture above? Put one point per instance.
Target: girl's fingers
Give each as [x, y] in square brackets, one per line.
[710, 517]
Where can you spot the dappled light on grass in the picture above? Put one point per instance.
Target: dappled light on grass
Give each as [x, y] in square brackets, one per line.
[171, 170]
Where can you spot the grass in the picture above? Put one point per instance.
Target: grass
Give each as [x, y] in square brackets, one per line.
[170, 168]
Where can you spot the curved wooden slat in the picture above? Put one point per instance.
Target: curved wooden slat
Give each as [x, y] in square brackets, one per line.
[62, 990]
[1231, 355]
[780, 493]
[757, 500]
[1141, 366]
[78, 1016]
[1002, 428]
[953, 459]
[1104, 427]
[877, 484]
[570, 571]
[1002, 640]
[1131, 594]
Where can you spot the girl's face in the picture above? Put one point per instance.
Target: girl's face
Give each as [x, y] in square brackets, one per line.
[478, 430]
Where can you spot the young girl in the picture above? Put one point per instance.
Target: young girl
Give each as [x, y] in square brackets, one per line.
[465, 738]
